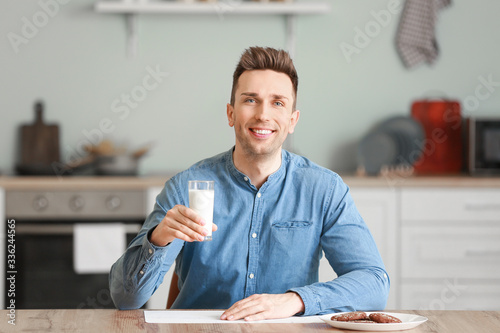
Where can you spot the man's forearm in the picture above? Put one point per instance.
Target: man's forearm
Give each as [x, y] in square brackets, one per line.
[123, 291]
[364, 289]
[136, 275]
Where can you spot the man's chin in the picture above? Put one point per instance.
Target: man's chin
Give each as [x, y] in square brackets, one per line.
[259, 148]
[262, 152]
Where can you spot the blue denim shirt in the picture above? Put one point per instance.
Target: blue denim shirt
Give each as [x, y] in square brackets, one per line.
[269, 240]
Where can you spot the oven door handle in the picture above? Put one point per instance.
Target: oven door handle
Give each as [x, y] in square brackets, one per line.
[60, 229]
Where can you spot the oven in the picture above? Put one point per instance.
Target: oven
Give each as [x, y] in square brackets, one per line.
[54, 230]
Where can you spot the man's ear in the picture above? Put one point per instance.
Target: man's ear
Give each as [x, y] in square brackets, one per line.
[293, 121]
[230, 114]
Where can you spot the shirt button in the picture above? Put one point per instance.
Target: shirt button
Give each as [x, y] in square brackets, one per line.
[246, 179]
[251, 276]
[259, 195]
[141, 272]
[254, 235]
[150, 251]
[385, 275]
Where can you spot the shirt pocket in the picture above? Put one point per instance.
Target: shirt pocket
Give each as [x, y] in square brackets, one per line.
[291, 234]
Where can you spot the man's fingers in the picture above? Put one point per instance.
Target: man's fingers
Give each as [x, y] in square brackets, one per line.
[179, 221]
[250, 311]
[190, 228]
[254, 317]
[265, 306]
[184, 215]
[243, 308]
[183, 232]
[190, 214]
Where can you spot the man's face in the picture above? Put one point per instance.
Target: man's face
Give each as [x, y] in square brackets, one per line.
[262, 114]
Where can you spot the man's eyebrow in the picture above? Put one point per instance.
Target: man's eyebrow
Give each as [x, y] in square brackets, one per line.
[251, 94]
[275, 96]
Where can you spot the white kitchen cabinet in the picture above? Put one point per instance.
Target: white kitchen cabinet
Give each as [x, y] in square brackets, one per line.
[454, 205]
[450, 294]
[450, 248]
[465, 252]
[378, 207]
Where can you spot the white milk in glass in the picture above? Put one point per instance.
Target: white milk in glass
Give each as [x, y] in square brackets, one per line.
[202, 201]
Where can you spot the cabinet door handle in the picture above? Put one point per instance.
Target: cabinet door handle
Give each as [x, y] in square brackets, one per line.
[482, 206]
[482, 253]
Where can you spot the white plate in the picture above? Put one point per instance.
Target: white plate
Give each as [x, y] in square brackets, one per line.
[408, 321]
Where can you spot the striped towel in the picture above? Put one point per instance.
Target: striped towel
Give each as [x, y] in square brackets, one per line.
[416, 40]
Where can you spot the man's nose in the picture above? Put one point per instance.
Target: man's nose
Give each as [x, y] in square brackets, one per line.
[263, 111]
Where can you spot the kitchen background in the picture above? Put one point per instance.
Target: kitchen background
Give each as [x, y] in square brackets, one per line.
[77, 62]
[438, 236]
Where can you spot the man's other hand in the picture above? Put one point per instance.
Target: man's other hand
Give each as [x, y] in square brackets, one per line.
[265, 306]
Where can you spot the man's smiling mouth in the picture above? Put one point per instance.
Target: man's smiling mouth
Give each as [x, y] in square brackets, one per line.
[261, 131]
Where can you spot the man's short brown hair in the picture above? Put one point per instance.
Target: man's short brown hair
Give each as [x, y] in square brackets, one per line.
[255, 58]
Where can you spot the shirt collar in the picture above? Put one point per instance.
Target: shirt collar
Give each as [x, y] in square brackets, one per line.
[274, 177]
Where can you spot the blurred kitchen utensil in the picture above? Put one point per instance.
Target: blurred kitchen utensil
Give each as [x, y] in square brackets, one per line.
[108, 159]
[409, 135]
[117, 165]
[141, 152]
[39, 146]
[394, 143]
[378, 149]
[114, 160]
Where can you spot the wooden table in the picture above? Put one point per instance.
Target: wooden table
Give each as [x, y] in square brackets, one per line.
[133, 321]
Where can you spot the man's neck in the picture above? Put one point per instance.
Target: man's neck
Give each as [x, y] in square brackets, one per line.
[257, 167]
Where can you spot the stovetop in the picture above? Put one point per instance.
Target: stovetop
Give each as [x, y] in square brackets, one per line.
[76, 204]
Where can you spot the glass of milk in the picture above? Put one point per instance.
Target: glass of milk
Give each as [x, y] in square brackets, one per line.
[201, 200]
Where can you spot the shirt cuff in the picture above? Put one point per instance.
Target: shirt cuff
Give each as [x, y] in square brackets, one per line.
[311, 302]
[149, 249]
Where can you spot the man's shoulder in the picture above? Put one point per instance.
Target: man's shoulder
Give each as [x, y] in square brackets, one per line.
[302, 164]
[210, 162]
[205, 166]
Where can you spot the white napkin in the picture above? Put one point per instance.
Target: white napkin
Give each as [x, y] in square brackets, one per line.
[213, 317]
[96, 246]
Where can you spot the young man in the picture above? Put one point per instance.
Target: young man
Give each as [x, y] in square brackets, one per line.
[275, 213]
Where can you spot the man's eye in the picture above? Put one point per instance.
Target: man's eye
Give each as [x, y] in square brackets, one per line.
[279, 104]
[250, 100]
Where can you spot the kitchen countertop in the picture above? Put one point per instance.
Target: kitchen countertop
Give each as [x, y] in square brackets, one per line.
[144, 182]
[395, 181]
[133, 321]
[82, 183]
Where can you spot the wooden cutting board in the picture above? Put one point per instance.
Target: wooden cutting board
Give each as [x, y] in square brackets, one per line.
[39, 145]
